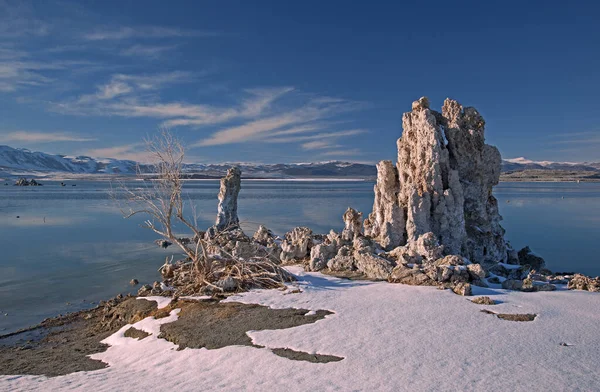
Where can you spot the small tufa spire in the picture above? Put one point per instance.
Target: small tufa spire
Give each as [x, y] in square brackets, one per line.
[421, 103]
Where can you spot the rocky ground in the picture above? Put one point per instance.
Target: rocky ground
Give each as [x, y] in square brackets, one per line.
[62, 345]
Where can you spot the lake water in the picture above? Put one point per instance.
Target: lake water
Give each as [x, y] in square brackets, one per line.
[70, 246]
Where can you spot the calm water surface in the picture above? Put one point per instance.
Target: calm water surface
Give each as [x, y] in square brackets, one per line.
[70, 246]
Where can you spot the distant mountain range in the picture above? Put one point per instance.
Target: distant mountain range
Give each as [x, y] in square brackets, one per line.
[20, 162]
[520, 164]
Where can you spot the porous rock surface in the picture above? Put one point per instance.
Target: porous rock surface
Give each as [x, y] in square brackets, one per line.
[442, 184]
[227, 216]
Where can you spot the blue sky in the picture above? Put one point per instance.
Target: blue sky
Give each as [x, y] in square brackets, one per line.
[279, 81]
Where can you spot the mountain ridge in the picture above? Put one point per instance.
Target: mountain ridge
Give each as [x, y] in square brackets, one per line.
[21, 161]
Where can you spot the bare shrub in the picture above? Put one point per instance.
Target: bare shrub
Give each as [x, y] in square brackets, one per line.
[161, 200]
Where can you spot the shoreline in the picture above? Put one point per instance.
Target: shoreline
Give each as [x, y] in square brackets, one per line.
[306, 179]
[321, 330]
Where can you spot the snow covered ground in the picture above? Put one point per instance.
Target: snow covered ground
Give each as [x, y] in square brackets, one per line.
[392, 338]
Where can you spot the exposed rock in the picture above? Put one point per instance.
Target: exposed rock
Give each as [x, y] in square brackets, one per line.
[342, 263]
[320, 254]
[352, 224]
[167, 271]
[411, 276]
[163, 243]
[512, 255]
[425, 248]
[517, 317]
[462, 289]
[144, 291]
[263, 235]
[23, 182]
[374, 267]
[527, 257]
[519, 273]
[448, 273]
[134, 282]
[476, 271]
[512, 317]
[542, 286]
[227, 217]
[483, 301]
[582, 282]
[450, 260]
[439, 187]
[135, 333]
[512, 284]
[274, 251]
[296, 245]
[386, 223]
[248, 250]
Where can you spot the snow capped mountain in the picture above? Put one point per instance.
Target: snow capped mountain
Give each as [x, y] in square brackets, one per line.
[521, 163]
[19, 161]
[23, 160]
[15, 161]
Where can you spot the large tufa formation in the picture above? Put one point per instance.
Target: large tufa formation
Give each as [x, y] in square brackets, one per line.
[442, 184]
[227, 217]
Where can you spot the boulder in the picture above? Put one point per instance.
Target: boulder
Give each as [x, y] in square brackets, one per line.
[342, 263]
[352, 224]
[320, 254]
[527, 257]
[410, 276]
[582, 282]
[462, 289]
[373, 266]
[296, 245]
[263, 235]
[476, 271]
[512, 284]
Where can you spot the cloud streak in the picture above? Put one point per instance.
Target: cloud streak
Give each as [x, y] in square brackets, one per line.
[42, 137]
[144, 32]
[135, 152]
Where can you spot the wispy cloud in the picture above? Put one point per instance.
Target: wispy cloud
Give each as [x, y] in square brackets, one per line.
[41, 137]
[150, 51]
[18, 70]
[119, 85]
[121, 33]
[318, 136]
[343, 153]
[575, 138]
[291, 121]
[135, 152]
[581, 140]
[319, 145]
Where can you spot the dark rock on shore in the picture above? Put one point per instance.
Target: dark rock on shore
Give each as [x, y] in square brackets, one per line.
[23, 182]
[527, 257]
[61, 345]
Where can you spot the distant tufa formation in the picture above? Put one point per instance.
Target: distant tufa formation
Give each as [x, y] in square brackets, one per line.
[434, 219]
[227, 210]
[23, 182]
